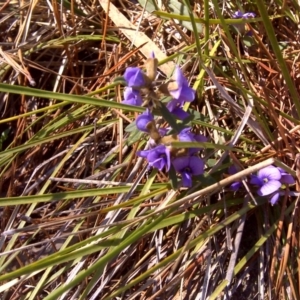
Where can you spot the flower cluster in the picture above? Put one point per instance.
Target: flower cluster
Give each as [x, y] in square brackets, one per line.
[142, 90]
[141, 84]
[268, 180]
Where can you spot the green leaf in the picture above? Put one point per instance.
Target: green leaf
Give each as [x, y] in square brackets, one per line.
[248, 41]
[21, 90]
[173, 178]
[134, 136]
[120, 80]
[131, 127]
[174, 7]
[169, 118]
[179, 8]
[149, 5]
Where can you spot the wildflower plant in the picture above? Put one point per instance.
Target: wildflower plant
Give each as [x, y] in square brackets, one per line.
[142, 90]
[161, 155]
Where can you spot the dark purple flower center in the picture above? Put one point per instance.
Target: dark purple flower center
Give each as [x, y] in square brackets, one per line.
[187, 170]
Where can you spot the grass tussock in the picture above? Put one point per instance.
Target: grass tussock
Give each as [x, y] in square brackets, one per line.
[82, 217]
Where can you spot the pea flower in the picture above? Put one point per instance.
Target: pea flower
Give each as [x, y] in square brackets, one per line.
[188, 166]
[132, 97]
[241, 27]
[134, 77]
[239, 15]
[186, 135]
[235, 186]
[268, 181]
[200, 139]
[175, 107]
[158, 157]
[143, 119]
[181, 90]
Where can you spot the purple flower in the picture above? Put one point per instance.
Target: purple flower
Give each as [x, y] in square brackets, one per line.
[268, 180]
[200, 139]
[134, 77]
[158, 157]
[186, 135]
[237, 184]
[132, 97]
[143, 119]
[188, 166]
[286, 178]
[182, 91]
[175, 107]
[239, 15]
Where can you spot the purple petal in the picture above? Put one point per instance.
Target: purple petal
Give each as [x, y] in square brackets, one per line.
[249, 15]
[176, 93]
[274, 198]
[187, 94]
[282, 171]
[235, 186]
[186, 179]
[232, 170]
[179, 77]
[143, 119]
[238, 14]
[270, 173]
[163, 150]
[200, 138]
[180, 163]
[168, 159]
[171, 105]
[186, 135]
[158, 163]
[180, 113]
[175, 107]
[160, 157]
[134, 77]
[196, 165]
[152, 155]
[183, 91]
[287, 179]
[269, 188]
[132, 97]
[143, 153]
[256, 181]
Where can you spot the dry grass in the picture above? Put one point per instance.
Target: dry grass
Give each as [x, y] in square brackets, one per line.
[78, 207]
